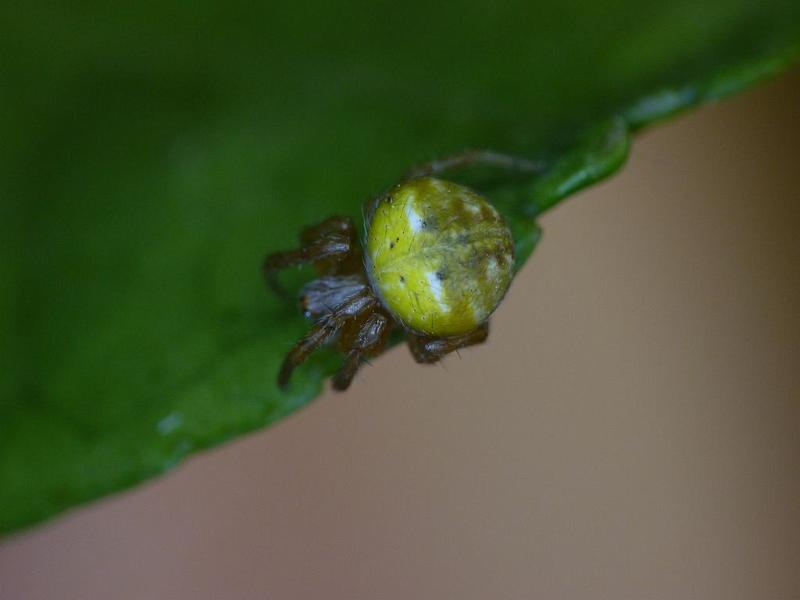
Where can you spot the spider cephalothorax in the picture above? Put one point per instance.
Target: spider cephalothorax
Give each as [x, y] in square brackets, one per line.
[437, 260]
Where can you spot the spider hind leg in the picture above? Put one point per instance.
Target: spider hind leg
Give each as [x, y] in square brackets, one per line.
[427, 350]
[474, 156]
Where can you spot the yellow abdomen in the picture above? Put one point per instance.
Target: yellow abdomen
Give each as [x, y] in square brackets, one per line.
[439, 256]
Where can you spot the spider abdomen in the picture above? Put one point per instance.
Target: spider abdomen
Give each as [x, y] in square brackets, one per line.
[439, 256]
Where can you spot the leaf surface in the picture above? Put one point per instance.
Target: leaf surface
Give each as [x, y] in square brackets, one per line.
[154, 153]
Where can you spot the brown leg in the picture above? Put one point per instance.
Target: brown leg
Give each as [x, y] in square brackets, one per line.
[321, 295]
[330, 226]
[431, 349]
[368, 340]
[467, 158]
[330, 242]
[324, 331]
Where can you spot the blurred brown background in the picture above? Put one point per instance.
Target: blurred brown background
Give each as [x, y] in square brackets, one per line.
[630, 430]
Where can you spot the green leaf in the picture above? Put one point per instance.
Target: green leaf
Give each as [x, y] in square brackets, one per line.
[152, 154]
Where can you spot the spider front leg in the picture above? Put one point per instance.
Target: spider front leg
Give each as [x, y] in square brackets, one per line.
[368, 340]
[324, 331]
[331, 242]
[469, 157]
[428, 350]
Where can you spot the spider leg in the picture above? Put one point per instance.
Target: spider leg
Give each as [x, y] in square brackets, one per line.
[324, 331]
[326, 244]
[320, 296]
[370, 338]
[331, 225]
[427, 349]
[469, 157]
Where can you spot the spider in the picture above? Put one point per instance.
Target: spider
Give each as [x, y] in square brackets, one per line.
[436, 261]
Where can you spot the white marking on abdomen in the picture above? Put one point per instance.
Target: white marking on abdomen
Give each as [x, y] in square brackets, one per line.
[413, 218]
[437, 291]
[491, 267]
[471, 208]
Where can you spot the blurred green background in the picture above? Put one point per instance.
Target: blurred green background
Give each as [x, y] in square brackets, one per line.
[153, 153]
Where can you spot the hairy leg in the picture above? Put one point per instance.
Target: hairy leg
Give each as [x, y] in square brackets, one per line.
[331, 225]
[320, 296]
[368, 340]
[324, 331]
[469, 157]
[431, 349]
[331, 242]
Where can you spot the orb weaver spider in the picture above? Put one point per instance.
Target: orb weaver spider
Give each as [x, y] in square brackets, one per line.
[437, 259]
